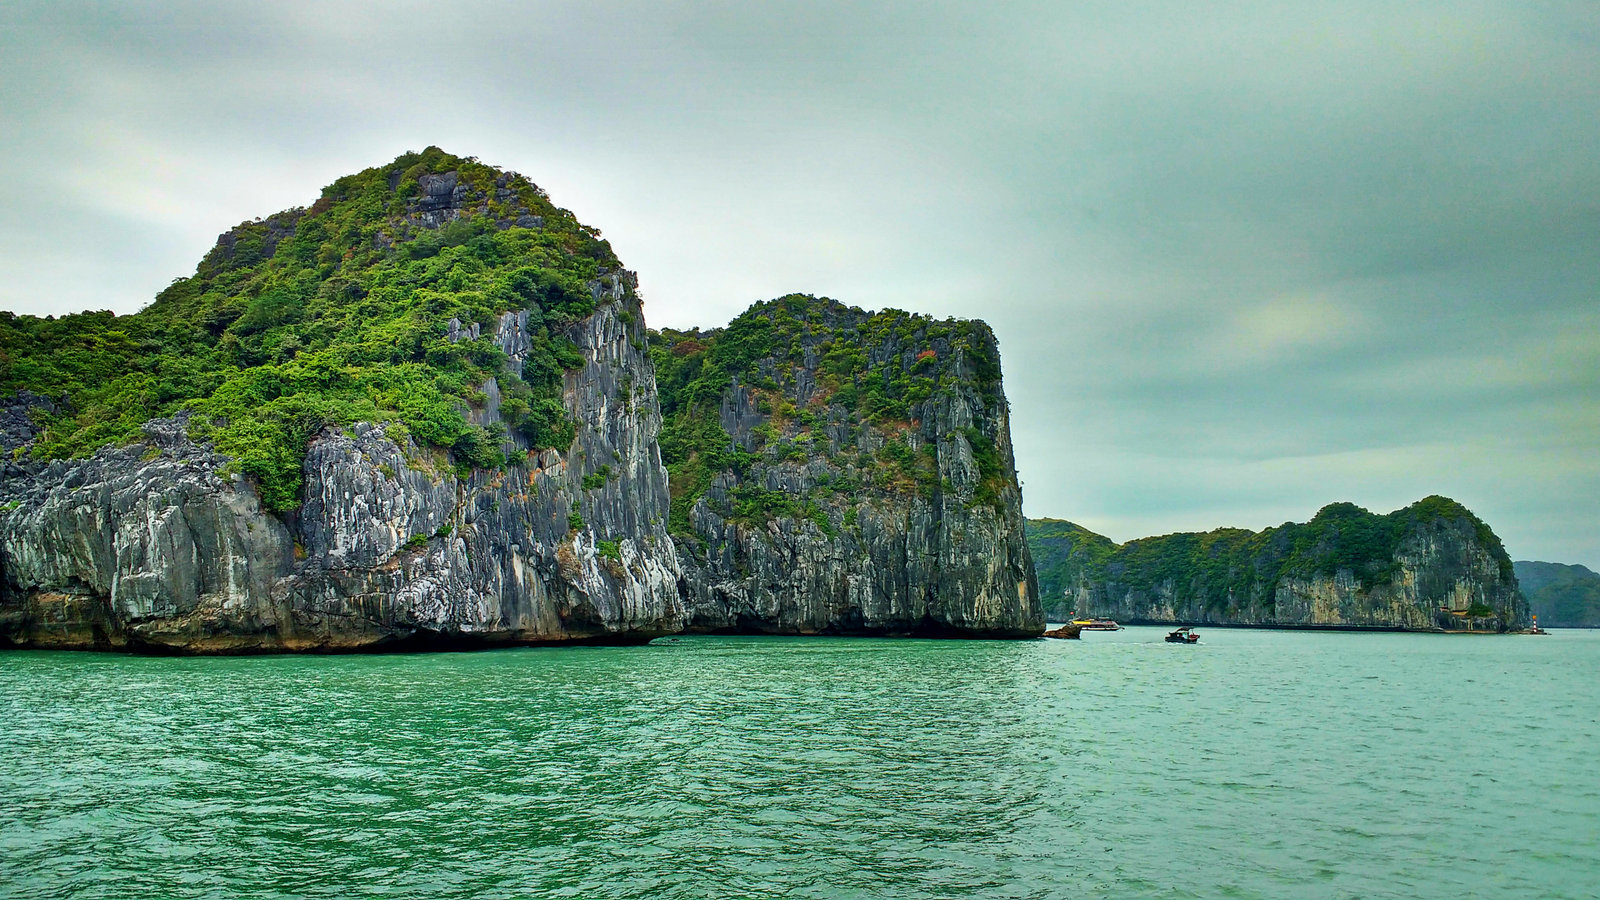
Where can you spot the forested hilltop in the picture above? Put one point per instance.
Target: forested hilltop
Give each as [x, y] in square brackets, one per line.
[1430, 565]
[330, 315]
[1561, 596]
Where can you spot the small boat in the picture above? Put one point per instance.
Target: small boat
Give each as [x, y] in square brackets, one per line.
[1184, 635]
[1097, 624]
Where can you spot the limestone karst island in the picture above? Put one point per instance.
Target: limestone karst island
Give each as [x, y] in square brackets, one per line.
[426, 412]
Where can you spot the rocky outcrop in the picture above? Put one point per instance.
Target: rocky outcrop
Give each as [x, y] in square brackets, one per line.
[17, 425]
[95, 552]
[868, 485]
[1430, 566]
[156, 547]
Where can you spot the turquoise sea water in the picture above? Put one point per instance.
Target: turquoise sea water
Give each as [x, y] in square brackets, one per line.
[1256, 764]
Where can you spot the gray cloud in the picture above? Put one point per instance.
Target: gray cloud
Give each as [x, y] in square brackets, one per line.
[1243, 260]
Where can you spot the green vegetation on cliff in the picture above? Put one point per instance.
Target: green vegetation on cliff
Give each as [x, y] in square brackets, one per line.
[1561, 596]
[817, 369]
[1061, 552]
[332, 315]
[1223, 569]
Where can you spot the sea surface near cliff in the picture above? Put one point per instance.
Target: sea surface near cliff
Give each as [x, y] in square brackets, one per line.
[1256, 764]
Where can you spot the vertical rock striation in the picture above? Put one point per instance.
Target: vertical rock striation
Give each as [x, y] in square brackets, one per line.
[97, 553]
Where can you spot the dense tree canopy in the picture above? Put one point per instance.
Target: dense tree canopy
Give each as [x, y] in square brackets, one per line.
[1232, 564]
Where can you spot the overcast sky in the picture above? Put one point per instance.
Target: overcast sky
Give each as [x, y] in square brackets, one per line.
[1244, 259]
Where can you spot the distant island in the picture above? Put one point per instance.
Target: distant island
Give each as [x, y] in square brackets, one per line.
[1561, 596]
[1432, 566]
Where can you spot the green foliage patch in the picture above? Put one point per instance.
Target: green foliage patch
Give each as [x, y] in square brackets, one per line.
[1062, 551]
[597, 478]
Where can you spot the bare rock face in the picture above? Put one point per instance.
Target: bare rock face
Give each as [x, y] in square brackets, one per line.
[136, 546]
[833, 524]
[154, 547]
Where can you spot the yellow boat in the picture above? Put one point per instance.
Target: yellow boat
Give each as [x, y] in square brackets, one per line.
[1097, 624]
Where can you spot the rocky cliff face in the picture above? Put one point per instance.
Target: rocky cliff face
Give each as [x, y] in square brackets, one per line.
[842, 472]
[152, 547]
[1431, 566]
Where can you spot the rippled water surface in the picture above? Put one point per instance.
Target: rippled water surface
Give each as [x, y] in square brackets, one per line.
[1256, 764]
